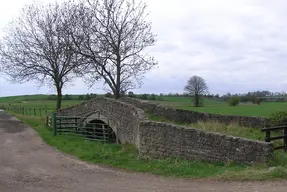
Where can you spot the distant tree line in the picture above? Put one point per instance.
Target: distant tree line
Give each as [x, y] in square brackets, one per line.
[257, 96]
[74, 97]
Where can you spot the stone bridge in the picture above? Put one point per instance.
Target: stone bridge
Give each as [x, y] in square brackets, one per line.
[163, 140]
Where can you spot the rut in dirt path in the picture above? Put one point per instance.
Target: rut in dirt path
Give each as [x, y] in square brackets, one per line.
[29, 165]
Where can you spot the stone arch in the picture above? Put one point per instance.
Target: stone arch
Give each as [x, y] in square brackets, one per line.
[98, 116]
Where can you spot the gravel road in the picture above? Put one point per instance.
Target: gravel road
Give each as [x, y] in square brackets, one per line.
[29, 165]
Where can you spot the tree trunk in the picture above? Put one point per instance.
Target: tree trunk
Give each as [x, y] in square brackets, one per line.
[59, 97]
[196, 97]
[117, 94]
[118, 80]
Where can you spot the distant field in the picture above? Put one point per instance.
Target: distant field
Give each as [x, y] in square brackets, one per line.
[43, 103]
[37, 101]
[211, 106]
[15, 99]
[220, 107]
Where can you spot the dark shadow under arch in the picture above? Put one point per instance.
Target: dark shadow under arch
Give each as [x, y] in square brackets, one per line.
[99, 130]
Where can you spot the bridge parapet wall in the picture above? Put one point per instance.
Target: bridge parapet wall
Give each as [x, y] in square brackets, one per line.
[123, 118]
[188, 116]
[163, 140]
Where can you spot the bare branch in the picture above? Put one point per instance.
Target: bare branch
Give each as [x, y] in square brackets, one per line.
[113, 35]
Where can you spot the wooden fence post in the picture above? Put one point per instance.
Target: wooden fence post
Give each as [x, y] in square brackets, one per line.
[267, 138]
[285, 139]
[46, 123]
[54, 124]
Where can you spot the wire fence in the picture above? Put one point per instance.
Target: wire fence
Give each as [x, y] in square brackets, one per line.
[29, 111]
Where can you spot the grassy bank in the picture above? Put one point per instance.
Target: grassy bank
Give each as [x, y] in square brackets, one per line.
[126, 157]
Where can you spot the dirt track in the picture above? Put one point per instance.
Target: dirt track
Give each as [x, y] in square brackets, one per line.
[29, 165]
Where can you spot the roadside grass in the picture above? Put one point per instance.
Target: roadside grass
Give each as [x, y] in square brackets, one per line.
[127, 158]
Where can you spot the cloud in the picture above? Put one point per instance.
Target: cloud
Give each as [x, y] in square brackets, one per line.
[238, 45]
[235, 45]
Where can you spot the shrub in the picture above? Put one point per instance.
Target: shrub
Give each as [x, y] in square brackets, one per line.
[67, 97]
[131, 94]
[52, 97]
[277, 118]
[256, 100]
[200, 101]
[152, 97]
[143, 96]
[110, 95]
[234, 101]
[81, 97]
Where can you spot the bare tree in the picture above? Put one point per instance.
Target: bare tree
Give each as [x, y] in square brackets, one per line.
[196, 87]
[113, 36]
[37, 47]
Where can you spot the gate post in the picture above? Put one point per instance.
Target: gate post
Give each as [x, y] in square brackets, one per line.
[54, 124]
[285, 139]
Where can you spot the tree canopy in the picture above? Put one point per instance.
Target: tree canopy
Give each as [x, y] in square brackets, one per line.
[196, 87]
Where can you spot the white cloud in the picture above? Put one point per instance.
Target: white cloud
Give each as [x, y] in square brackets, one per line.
[236, 45]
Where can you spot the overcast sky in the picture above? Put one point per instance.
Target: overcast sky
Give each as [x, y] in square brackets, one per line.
[235, 45]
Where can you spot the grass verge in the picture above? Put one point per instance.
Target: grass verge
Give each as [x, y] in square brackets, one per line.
[126, 157]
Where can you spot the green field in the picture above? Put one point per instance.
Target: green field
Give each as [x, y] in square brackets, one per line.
[42, 103]
[210, 106]
[37, 101]
[220, 107]
[35, 105]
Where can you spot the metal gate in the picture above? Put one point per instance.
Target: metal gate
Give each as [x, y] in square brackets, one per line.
[91, 129]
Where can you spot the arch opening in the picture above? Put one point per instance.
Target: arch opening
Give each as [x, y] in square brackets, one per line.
[99, 130]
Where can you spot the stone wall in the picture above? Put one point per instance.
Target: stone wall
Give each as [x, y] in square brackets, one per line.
[162, 140]
[188, 116]
[123, 118]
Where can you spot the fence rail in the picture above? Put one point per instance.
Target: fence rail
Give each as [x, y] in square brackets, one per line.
[276, 129]
[43, 111]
